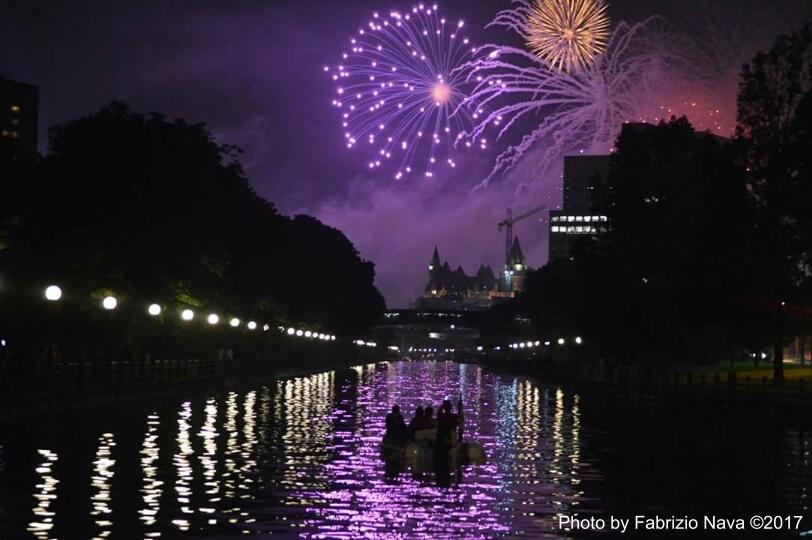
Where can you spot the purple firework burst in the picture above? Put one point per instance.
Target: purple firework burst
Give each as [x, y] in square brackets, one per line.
[402, 89]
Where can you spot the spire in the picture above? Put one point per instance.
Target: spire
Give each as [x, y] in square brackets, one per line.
[516, 255]
[435, 260]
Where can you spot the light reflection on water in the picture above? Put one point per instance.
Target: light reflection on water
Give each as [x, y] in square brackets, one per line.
[300, 457]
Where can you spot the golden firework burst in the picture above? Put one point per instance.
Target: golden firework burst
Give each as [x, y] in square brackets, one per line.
[568, 34]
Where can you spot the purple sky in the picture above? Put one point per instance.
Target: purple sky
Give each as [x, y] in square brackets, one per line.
[252, 70]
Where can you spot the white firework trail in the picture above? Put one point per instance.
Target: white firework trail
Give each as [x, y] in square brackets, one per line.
[579, 112]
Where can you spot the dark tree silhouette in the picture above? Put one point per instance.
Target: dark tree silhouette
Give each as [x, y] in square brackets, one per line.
[152, 208]
[773, 120]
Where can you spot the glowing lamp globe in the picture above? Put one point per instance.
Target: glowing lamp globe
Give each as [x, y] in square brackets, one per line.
[187, 314]
[154, 310]
[234, 322]
[299, 333]
[291, 331]
[307, 333]
[252, 325]
[213, 319]
[53, 293]
[561, 341]
[109, 303]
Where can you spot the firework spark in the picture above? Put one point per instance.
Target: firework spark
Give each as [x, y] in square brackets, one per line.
[402, 89]
[581, 112]
[569, 34]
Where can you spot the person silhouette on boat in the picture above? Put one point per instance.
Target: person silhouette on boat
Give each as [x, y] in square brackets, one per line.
[415, 422]
[428, 418]
[395, 425]
[447, 424]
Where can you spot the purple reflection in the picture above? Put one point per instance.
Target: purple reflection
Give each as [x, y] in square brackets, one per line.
[530, 437]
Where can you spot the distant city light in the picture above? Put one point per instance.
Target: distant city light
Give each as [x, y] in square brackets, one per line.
[53, 293]
[154, 310]
[109, 303]
[187, 315]
[213, 318]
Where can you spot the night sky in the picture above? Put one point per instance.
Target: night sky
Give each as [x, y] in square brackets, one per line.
[252, 70]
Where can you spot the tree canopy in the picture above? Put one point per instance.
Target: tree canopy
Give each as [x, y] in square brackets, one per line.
[149, 207]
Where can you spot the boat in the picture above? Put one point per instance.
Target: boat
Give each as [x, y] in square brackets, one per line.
[419, 454]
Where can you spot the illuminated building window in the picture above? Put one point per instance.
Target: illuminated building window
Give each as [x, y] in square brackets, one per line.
[15, 121]
[555, 229]
[579, 218]
[587, 218]
[570, 218]
[15, 108]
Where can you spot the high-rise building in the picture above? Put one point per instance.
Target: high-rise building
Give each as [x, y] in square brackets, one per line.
[19, 112]
[576, 217]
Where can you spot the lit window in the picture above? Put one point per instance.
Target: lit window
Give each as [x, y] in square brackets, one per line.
[15, 121]
[579, 230]
[603, 218]
[555, 229]
[579, 218]
[570, 218]
[587, 218]
[554, 219]
[15, 108]
[15, 135]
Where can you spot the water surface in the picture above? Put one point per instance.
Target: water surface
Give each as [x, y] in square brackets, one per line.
[299, 458]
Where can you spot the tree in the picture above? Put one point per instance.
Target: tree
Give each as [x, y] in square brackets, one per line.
[773, 111]
[152, 208]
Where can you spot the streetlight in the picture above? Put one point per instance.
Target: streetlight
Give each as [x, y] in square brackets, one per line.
[291, 331]
[561, 341]
[53, 293]
[213, 318]
[109, 303]
[252, 325]
[234, 322]
[154, 310]
[578, 340]
[187, 314]
[299, 333]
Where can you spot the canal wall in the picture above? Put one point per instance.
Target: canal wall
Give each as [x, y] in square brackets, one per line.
[42, 381]
[727, 393]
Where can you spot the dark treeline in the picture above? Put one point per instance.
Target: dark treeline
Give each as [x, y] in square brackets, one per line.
[707, 250]
[154, 210]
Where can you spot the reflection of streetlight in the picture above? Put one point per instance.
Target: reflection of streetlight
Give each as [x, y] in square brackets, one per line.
[53, 293]
[187, 314]
[213, 318]
[109, 303]
[154, 310]
[252, 325]
[234, 322]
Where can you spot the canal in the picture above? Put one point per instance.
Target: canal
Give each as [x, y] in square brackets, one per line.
[299, 457]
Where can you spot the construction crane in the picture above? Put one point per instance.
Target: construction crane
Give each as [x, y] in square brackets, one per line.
[508, 224]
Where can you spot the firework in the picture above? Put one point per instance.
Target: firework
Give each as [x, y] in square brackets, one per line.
[579, 112]
[568, 34]
[402, 90]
